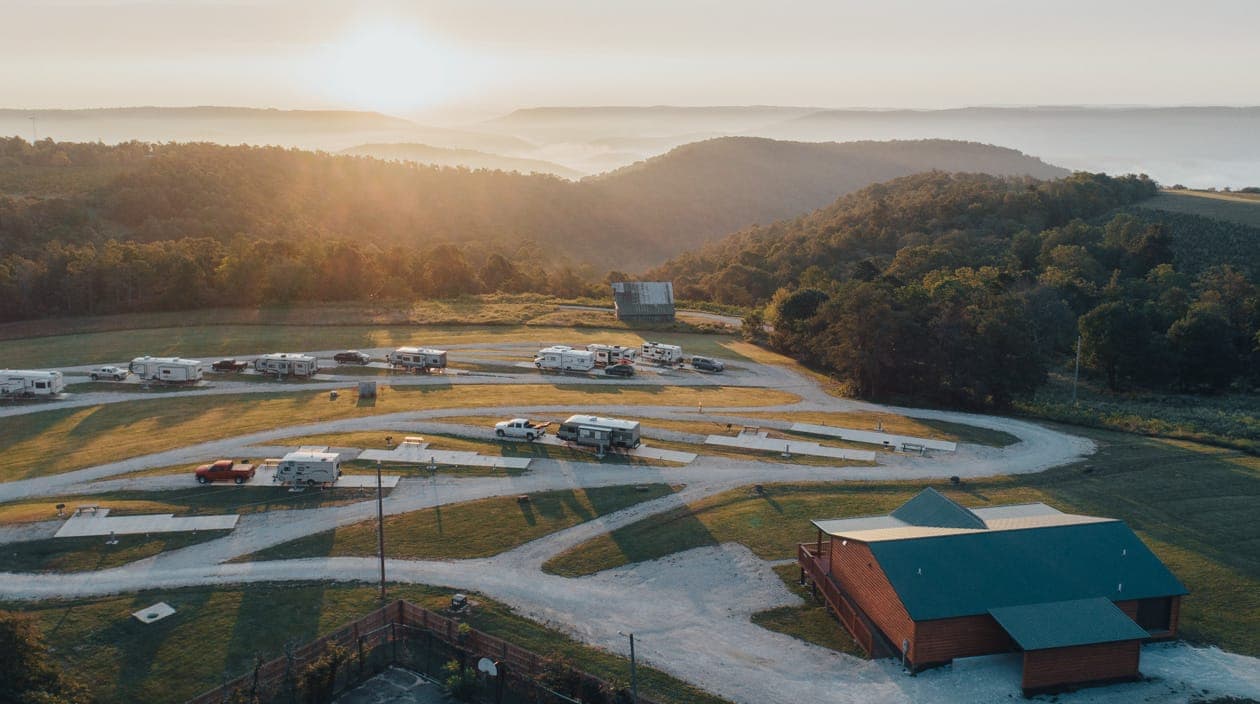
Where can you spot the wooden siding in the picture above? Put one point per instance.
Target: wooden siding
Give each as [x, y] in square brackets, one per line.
[939, 641]
[1084, 664]
[855, 569]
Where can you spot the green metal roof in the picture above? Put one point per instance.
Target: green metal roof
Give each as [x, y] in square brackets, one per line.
[1059, 624]
[970, 573]
[930, 508]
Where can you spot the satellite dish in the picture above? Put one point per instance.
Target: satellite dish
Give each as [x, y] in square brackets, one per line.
[487, 666]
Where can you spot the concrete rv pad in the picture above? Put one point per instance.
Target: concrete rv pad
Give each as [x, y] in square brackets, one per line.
[418, 453]
[874, 437]
[652, 453]
[759, 441]
[101, 523]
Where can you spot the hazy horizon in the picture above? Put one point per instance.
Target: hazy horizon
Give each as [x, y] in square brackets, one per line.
[482, 58]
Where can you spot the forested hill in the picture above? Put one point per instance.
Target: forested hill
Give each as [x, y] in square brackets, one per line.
[963, 288]
[741, 181]
[629, 220]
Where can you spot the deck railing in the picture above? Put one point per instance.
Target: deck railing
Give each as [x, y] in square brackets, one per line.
[814, 563]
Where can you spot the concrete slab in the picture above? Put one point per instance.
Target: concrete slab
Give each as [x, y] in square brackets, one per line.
[874, 437]
[641, 451]
[418, 453]
[101, 523]
[266, 476]
[366, 481]
[157, 612]
[796, 447]
[395, 686]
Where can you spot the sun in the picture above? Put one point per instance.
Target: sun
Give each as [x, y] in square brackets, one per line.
[387, 68]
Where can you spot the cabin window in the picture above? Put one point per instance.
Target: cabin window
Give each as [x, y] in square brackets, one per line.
[41, 385]
[1155, 614]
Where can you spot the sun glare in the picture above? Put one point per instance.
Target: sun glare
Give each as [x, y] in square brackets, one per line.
[380, 67]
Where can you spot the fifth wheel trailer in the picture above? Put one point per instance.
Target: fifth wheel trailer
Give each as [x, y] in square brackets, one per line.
[417, 358]
[661, 353]
[606, 355]
[172, 369]
[287, 364]
[603, 433]
[22, 382]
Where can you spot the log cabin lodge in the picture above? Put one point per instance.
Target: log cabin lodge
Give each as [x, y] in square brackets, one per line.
[935, 581]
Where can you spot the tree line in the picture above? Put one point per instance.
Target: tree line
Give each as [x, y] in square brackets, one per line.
[966, 289]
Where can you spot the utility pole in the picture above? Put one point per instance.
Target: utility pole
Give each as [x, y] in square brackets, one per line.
[634, 674]
[380, 527]
[1076, 378]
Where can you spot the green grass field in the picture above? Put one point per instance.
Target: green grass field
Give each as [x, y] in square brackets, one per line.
[216, 633]
[1241, 208]
[60, 440]
[1195, 505]
[467, 530]
[91, 553]
[811, 622]
[193, 501]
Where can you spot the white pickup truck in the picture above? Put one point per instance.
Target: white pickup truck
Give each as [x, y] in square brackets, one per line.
[520, 428]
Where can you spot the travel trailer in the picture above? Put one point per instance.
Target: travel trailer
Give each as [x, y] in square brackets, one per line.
[613, 354]
[602, 433]
[662, 353]
[287, 364]
[21, 382]
[417, 358]
[169, 369]
[566, 359]
[307, 467]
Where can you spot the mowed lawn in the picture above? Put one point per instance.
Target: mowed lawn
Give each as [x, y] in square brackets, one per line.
[1195, 506]
[91, 552]
[209, 341]
[467, 530]
[60, 440]
[196, 500]
[216, 633]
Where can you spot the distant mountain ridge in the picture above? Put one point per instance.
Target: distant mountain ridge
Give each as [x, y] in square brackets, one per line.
[469, 158]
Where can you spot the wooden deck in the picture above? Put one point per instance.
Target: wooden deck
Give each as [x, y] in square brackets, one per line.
[815, 569]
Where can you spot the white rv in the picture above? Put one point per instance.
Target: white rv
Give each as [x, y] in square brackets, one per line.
[567, 359]
[307, 467]
[613, 354]
[21, 382]
[662, 353]
[287, 364]
[418, 358]
[172, 369]
[602, 433]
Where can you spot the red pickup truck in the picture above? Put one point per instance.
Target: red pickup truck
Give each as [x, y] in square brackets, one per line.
[225, 470]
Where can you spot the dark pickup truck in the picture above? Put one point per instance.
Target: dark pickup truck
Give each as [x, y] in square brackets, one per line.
[229, 365]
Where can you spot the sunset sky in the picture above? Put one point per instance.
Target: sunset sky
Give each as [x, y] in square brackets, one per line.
[412, 58]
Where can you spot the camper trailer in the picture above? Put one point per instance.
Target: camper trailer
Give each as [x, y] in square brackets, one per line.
[602, 433]
[417, 358]
[307, 467]
[169, 369]
[287, 364]
[662, 353]
[20, 382]
[565, 359]
[613, 354]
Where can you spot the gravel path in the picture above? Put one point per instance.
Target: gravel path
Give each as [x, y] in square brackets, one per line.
[690, 611]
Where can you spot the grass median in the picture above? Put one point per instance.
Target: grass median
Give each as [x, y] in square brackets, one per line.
[60, 440]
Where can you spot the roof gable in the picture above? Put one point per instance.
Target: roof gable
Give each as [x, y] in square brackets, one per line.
[929, 508]
[970, 573]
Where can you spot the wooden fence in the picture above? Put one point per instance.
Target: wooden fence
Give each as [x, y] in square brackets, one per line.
[373, 643]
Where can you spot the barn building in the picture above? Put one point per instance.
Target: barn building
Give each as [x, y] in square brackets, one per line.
[935, 581]
[644, 301]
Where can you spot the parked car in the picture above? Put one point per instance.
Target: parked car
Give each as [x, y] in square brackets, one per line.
[351, 357]
[225, 471]
[619, 370]
[229, 365]
[115, 373]
[706, 364]
[520, 428]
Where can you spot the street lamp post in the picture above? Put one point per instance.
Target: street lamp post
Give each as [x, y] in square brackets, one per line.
[380, 527]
